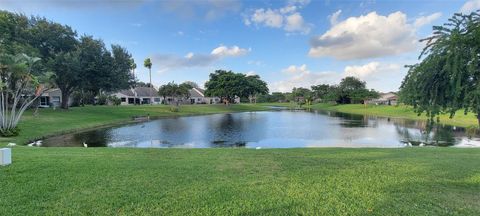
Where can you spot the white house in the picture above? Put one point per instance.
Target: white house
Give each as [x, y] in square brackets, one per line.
[389, 98]
[52, 98]
[197, 96]
[138, 95]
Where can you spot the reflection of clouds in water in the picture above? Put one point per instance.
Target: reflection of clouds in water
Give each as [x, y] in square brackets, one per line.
[276, 129]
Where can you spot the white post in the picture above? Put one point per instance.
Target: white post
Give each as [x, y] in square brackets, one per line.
[5, 156]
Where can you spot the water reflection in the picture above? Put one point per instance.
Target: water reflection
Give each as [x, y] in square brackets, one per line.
[274, 129]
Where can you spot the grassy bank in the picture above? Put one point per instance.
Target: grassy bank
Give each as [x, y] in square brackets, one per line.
[120, 181]
[400, 111]
[49, 121]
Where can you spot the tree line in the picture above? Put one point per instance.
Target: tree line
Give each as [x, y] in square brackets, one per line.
[349, 90]
[71, 62]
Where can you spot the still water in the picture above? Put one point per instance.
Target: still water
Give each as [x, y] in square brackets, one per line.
[272, 129]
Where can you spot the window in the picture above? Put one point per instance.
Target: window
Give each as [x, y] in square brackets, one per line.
[123, 99]
[43, 101]
[55, 99]
[157, 100]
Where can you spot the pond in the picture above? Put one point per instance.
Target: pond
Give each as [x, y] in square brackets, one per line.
[270, 129]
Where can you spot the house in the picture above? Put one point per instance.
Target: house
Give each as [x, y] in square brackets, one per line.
[138, 95]
[52, 98]
[389, 98]
[197, 96]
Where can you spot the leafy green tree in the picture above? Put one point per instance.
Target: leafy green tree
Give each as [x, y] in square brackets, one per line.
[192, 84]
[448, 77]
[353, 90]
[321, 91]
[148, 64]
[255, 86]
[177, 92]
[228, 85]
[67, 74]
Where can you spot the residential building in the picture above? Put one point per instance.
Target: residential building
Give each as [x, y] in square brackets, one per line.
[52, 98]
[389, 98]
[139, 95]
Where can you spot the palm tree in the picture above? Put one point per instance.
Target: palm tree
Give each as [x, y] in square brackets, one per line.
[148, 64]
[134, 66]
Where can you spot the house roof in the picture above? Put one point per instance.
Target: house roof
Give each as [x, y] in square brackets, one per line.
[196, 92]
[141, 92]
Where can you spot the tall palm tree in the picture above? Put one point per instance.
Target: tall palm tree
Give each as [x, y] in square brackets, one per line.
[148, 64]
[134, 66]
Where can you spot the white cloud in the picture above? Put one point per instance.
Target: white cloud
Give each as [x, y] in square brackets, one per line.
[470, 6]
[292, 69]
[425, 20]
[287, 18]
[334, 17]
[366, 36]
[224, 51]
[251, 73]
[380, 76]
[168, 61]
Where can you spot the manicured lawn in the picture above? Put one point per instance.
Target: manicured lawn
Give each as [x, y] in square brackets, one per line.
[51, 121]
[400, 111]
[121, 181]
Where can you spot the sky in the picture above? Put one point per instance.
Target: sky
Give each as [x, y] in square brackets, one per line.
[288, 43]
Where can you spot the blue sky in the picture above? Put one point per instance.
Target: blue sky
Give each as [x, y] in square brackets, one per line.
[288, 43]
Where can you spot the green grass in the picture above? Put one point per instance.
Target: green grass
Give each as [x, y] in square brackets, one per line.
[122, 181]
[400, 111]
[51, 122]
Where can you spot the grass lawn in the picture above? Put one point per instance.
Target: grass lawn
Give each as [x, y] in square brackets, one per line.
[321, 181]
[400, 111]
[308, 181]
[50, 122]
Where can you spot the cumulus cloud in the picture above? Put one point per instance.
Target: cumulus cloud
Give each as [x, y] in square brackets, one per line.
[380, 76]
[425, 20]
[293, 69]
[224, 51]
[169, 61]
[366, 36]
[470, 6]
[287, 18]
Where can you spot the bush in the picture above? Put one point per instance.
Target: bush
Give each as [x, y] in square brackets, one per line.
[114, 100]
[174, 109]
[10, 132]
[102, 99]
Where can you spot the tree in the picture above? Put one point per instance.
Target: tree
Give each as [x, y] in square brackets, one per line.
[191, 84]
[228, 85]
[353, 90]
[448, 77]
[67, 74]
[302, 95]
[321, 91]
[177, 92]
[255, 86]
[103, 70]
[148, 64]
[19, 88]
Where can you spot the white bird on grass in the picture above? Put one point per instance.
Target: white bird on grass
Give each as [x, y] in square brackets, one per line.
[85, 145]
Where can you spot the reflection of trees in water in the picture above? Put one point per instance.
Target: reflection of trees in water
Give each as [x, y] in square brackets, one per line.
[417, 132]
[96, 138]
[350, 120]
